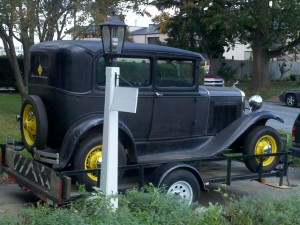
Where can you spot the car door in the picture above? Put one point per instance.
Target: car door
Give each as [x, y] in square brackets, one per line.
[175, 99]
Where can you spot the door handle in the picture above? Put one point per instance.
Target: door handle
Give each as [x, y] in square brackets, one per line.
[158, 94]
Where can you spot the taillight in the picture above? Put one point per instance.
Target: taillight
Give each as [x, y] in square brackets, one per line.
[294, 133]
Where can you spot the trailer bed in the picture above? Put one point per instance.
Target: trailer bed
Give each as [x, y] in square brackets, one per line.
[59, 187]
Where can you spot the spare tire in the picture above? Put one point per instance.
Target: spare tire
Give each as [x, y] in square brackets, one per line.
[34, 123]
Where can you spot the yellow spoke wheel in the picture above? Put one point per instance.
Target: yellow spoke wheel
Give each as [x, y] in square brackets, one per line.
[88, 152]
[34, 123]
[29, 124]
[91, 161]
[259, 141]
[266, 145]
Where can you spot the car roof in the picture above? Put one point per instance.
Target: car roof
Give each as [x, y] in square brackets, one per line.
[95, 46]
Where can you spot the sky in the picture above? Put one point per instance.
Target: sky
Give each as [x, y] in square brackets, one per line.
[143, 21]
[132, 19]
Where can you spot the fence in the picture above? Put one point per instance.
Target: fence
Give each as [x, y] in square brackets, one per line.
[243, 68]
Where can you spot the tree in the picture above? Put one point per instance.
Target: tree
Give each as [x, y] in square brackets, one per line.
[20, 20]
[185, 28]
[271, 27]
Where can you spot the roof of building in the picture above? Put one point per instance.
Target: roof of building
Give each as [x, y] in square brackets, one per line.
[152, 29]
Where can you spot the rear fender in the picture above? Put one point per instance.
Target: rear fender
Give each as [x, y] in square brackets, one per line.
[78, 130]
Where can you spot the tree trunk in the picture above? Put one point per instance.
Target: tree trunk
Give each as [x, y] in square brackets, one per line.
[260, 76]
[15, 66]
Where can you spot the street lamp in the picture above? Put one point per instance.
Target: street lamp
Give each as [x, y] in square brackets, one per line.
[113, 35]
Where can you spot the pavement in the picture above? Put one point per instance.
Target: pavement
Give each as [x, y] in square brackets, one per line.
[291, 185]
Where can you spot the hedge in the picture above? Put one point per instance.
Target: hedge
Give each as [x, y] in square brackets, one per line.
[7, 78]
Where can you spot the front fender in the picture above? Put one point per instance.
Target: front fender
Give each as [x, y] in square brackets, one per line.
[232, 132]
[76, 131]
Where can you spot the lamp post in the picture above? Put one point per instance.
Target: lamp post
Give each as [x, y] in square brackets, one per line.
[113, 34]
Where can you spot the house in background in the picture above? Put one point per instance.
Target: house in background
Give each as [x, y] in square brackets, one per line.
[148, 35]
[239, 52]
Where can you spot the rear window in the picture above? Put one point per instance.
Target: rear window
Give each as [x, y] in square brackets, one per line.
[39, 65]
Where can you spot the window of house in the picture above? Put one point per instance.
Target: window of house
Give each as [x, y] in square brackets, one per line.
[175, 73]
[134, 71]
[153, 40]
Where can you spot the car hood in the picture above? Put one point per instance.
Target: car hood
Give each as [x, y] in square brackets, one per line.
[221, 91]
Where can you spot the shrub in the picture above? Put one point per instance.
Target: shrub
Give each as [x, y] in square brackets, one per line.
[7, 78]
[227, 73]
[154, 206]
[148, 206]
[264, 210]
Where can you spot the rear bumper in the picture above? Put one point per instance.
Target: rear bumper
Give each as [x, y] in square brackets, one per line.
[295, 151]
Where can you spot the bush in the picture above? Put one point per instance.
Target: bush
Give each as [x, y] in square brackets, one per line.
[154, 206]
[227, 73]
[7, 78]
[148, 206]
[264, 210]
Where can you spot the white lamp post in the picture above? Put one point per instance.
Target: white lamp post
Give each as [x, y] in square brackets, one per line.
[113, 34]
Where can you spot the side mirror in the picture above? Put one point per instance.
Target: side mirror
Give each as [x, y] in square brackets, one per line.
[255, 103]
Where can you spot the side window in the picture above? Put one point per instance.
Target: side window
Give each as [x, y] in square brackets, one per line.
[136, 71]
[100, 79]
[39, 65]
[175, 73]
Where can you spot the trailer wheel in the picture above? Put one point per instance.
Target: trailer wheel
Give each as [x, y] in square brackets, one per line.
[87, 154]
[34, 123]
[182, 183]
[262, 140]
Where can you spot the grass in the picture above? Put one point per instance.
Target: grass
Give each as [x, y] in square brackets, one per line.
[273, 92]
[10, 106]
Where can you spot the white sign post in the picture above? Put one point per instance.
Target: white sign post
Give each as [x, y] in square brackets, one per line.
[116, 99]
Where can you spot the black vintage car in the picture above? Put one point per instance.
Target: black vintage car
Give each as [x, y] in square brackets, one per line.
[62, 119]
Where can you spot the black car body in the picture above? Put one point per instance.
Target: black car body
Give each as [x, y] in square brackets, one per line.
[290, 97]
[62, 119]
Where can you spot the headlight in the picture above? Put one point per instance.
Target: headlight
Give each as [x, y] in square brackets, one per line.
[255, 102]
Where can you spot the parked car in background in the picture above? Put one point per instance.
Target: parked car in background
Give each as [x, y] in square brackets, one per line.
[213, 80]
[295, 148]
[290, 97]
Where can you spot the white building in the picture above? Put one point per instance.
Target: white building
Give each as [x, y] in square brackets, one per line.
[19, 51]
[239, 52]
[148, 35]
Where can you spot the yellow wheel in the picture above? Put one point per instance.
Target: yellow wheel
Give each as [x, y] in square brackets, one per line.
[266, 145]
[91, 161]
[86, 157]
[34, 123]
[262, 140]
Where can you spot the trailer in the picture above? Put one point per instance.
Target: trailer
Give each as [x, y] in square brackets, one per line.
[185, 177]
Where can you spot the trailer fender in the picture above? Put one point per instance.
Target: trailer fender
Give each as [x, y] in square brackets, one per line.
[80, 128]
[235, 130]
[161, 172]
